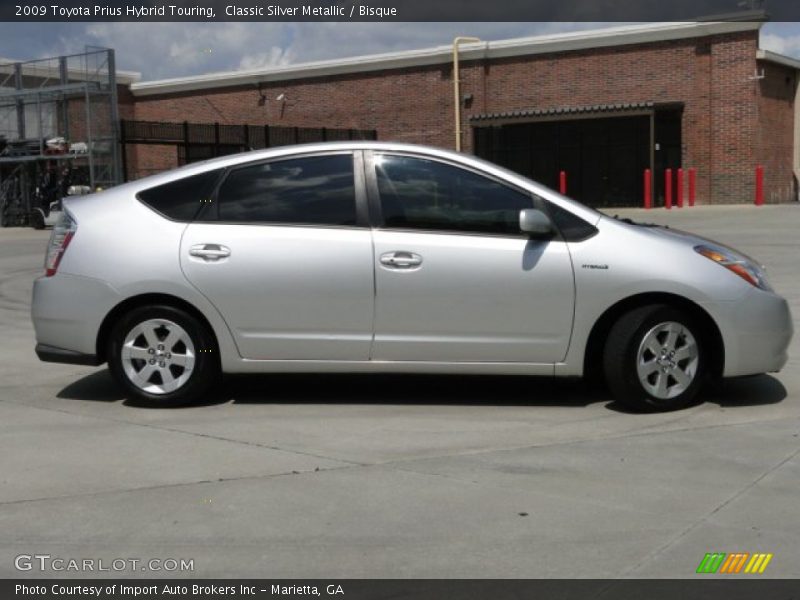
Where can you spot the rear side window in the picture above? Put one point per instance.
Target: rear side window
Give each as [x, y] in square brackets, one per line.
[313, 190]
[182, 199]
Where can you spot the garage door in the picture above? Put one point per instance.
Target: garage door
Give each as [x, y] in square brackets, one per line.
[604, 158]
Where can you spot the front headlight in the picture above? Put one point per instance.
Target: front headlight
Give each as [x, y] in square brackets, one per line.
[736, 263]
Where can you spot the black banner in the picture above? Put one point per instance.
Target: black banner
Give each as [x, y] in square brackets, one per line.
[397, 589]
[397, 10]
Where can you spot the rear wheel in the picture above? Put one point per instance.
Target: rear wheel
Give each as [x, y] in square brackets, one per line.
[163, 355]
[654, 359]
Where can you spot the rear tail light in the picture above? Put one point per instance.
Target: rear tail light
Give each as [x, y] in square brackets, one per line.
[62, 235]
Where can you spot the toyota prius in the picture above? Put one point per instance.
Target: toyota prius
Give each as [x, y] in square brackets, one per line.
[381, 257]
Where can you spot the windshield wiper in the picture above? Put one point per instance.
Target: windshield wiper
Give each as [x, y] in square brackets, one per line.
[630, 221]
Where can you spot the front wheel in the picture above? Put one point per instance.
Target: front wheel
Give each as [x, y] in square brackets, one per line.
[654, 359]
[163, 355]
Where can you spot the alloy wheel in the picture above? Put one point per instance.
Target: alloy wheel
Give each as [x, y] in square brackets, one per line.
[667, 360]
[158, 356]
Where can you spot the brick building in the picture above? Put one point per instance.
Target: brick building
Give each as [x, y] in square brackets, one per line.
[601, 105]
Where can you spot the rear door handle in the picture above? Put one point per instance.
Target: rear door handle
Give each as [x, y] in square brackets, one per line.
[401, 260]
[212, 252]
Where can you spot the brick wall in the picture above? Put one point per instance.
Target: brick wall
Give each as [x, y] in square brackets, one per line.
[775, 140]
[733, 115]
[722, 107]
[402, 104]
[126, 102]
[143, 159]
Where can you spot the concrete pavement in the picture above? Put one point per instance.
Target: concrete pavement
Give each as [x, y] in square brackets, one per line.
[400, 476]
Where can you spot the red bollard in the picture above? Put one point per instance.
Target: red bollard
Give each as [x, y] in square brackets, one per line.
[648, 198]
[562, 182]
[759, 185]
[692, 187]
[668, 189]
[680, 188]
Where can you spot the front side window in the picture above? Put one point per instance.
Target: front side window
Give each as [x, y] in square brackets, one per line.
[313, 190]
[417, 193]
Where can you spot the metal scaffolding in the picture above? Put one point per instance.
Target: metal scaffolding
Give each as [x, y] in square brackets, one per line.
[58, 124]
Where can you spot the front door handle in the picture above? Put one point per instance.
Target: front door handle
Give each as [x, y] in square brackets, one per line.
[401, 260]
[210, 252]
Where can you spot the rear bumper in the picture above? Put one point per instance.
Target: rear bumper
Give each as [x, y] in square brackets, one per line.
[67, 311]
[60, 355]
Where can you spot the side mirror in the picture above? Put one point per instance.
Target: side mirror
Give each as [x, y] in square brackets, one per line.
[535, 222]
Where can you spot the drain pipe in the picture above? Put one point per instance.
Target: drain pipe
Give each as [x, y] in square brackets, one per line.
[457, 85]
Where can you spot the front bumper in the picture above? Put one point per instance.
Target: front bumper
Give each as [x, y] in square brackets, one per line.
[756, 331]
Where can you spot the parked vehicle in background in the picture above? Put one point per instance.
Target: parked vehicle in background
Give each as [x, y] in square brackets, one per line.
[365, 257]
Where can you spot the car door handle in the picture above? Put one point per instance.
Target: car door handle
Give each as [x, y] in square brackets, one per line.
[210, 251]
[401, 260]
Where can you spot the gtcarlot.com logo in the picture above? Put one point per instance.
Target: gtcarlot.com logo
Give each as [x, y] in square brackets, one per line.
[46, 562]
[735, 562]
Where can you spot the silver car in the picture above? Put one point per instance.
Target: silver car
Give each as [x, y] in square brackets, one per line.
[380, 257]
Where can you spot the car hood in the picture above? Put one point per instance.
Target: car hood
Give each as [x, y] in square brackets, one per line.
[686, 238]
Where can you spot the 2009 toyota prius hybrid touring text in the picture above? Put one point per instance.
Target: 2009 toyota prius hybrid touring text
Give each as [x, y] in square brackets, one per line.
[365, 256]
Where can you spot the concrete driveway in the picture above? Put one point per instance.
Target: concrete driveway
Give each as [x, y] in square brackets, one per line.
[399, 476]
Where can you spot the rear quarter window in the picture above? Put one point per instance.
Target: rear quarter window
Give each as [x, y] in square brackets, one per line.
[182, 199]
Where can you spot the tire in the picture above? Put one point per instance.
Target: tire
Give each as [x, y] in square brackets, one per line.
[163, 356]
[655, 359]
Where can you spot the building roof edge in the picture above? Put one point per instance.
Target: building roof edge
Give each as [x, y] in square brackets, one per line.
[542, 44]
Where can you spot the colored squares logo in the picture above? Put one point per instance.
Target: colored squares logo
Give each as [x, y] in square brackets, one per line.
[735, 562]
